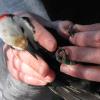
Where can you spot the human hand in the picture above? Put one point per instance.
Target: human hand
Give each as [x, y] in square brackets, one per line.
[86, 49]
[24, 67]
[63, 27]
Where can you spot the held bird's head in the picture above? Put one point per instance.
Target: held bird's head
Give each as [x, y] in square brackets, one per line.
[14, 31]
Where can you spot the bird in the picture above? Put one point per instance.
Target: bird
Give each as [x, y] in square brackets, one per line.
[18, 33]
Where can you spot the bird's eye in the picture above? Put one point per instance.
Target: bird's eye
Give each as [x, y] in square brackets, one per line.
[22, 29]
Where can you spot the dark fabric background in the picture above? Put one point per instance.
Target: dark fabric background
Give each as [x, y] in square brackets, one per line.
[83, 11]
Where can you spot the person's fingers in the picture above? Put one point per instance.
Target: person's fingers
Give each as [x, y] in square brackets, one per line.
[89, 38]
[63, 27]
[29, 70]
[39, 65]
[23, 72]
[31, 80]
[43, 37]
[84, 72]
[10, 64]
[50, 77]
[83, 28]
[81, 54]
[28, 75]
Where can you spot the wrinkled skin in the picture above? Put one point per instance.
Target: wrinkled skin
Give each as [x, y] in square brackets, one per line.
[86, 49]
[24, 67]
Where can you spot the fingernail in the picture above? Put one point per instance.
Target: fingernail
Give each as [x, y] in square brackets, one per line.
[50, 77]
[62, 56]
[76, 27]
[64, 68]
[68, 68]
